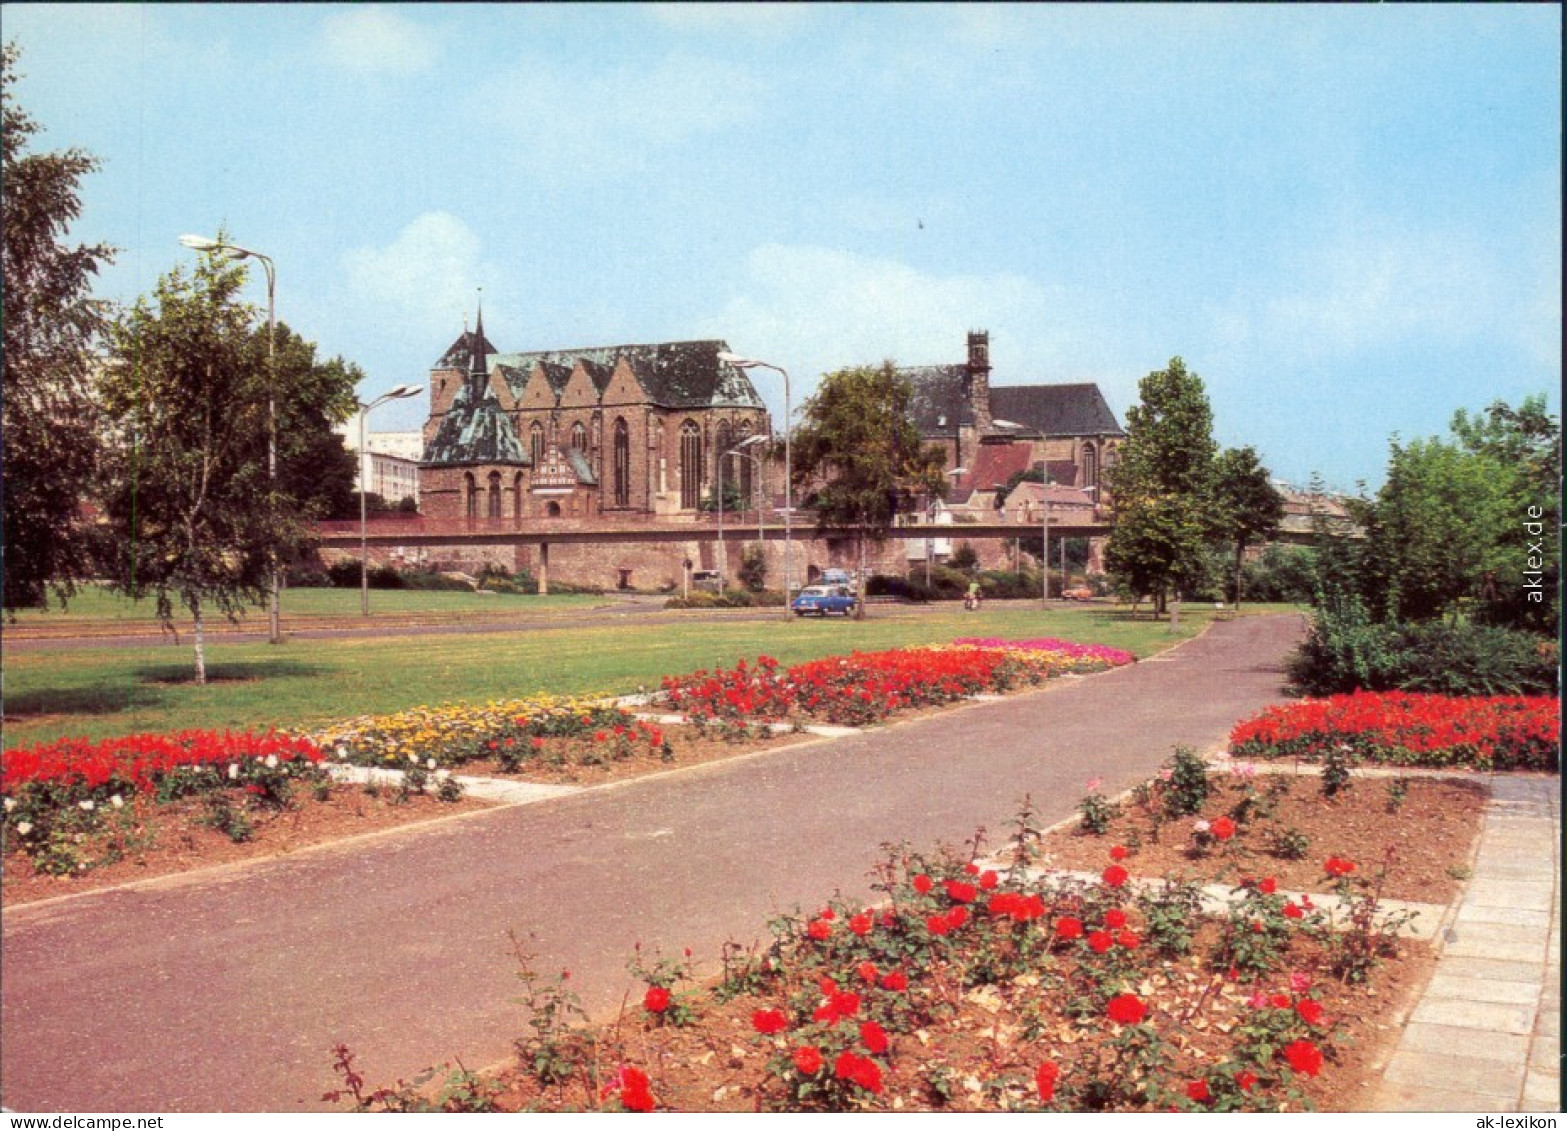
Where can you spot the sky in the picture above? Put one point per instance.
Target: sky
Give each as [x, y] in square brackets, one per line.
[1346, 220]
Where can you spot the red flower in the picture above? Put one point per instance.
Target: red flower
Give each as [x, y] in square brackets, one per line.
[897, 981]
[819, 929]
[656, 1000]
[844, 1004]
[808, 1060]
[874, 1037]
[1069, 928]
[1337, 866]
[1246, 1081]
[1222, 828]
[1100, 941]
[1267, 885]
[769, 1021]
[1119, 852]
[862, 923]
[1304, 1057]
[1128, 940]
[1115, 876]
[858, 1070]
[867, 971]
[827, 913]
[923, 884]
[971, 868]
[1126, 1009]
[961, 892]
[1310, 1010]
[1197, 1091]
[636, 1093]
[1045, 1077]
[827, 986]
[1115, 918]
[937, 925]
[957, 917]
[1293, 912]
[988, 880]
[1279, 1001]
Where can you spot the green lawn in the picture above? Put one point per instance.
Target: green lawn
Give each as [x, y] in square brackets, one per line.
[96, 605]
[98, 692]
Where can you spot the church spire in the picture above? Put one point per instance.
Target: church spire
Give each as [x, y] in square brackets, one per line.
[477, 369]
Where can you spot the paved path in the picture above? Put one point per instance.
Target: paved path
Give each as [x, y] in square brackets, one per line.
[1486, 1035]
[224, 990]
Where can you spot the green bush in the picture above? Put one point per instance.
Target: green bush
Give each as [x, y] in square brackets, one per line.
[728, 599]
[1346, 651]
[424, 581]
[1280, 573]
[1007, 584]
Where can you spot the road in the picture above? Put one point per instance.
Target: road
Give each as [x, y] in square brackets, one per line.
[224, 990]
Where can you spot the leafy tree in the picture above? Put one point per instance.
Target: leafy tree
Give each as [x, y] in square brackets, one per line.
[1161, 488]
[859, 447]
[315, 470]
[1247, 507]
[51, 434]
[187, 485]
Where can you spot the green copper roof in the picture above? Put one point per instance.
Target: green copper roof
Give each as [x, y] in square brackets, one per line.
[673, 374]
[472, 433]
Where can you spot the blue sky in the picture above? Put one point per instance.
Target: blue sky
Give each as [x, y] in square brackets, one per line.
[1347, 220]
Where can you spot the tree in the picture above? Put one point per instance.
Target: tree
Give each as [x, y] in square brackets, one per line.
[315, 471]
[859, 447]
[1442, 523]
[187, 485]
[1161, 486]
[50, 323]
[1246, 505]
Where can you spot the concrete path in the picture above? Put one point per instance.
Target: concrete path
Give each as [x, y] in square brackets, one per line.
[224, 990]
[1486, 1035]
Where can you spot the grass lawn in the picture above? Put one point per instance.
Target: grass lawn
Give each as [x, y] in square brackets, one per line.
[99, 692]
[95, 606]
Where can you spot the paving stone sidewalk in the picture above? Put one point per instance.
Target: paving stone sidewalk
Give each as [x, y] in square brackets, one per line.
[1486, 1035]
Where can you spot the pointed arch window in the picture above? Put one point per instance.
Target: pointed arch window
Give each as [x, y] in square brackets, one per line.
[622, 463]
[579, 437]
[494, 510]
[690, 466]
[536, 444]
[516, 497]
[747, 465]
[470, 492]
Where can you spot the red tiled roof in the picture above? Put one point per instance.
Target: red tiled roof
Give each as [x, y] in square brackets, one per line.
[994, 464]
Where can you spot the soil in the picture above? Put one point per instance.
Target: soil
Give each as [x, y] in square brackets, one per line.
[979, 1054]
[159, 840]
[1356, 824]
[561, 760]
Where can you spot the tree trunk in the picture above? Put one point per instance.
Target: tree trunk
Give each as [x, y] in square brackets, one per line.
[1240, 551]
[860, 586]
[201, 655]
[1175, 610]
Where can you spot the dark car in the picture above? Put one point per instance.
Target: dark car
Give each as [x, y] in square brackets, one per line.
[824, 599]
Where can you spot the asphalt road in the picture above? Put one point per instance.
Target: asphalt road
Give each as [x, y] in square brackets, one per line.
[225, 990]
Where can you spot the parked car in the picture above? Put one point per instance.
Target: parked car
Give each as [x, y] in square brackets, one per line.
[1081, 593]
[824, 599]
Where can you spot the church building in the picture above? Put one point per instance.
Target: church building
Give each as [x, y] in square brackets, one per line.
[604, 431]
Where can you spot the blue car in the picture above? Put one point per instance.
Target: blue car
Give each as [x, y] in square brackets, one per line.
[824, 599]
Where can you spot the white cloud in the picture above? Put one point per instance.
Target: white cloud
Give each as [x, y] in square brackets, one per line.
[376, 41]
[815, 309]
[424, 280]
[607, 122]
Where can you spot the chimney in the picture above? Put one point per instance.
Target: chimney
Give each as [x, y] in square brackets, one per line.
[978, 382]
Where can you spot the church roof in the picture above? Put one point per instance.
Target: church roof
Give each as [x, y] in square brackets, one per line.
[1056, 410]
[673, 374]
[475, 433]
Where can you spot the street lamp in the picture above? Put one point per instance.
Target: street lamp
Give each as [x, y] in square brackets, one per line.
[752, 363]
[401, 392]
[234, 251]
[736, 450]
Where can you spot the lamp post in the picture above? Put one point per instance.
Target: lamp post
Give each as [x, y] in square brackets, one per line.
[752, 363]
[234, 251]
[401, 392]
[736, 450]
[1044, 546]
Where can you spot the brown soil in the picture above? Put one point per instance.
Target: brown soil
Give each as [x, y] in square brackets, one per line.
[979, 1042]
[1428, 843]
[159, 840]
[561, 761]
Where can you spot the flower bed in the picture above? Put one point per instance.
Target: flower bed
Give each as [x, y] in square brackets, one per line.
[1080, 658]
[867, 687]
[511, 731]
[976, 990]
[59, 794]
[1499, 733]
